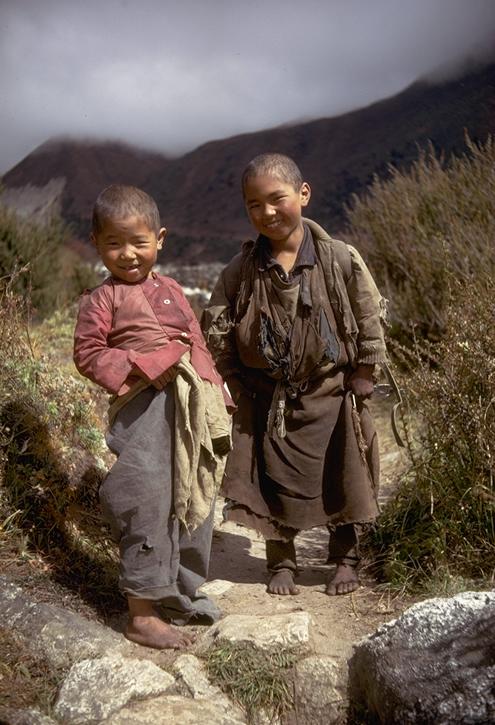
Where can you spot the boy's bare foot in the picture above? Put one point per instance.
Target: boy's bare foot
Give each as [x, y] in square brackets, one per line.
[151, 631]
[344, 581]
[282, 582]
[146, 628]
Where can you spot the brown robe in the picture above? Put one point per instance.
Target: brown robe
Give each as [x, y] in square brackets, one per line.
[304, 452]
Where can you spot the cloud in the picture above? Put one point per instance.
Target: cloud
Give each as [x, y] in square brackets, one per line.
[169, 75]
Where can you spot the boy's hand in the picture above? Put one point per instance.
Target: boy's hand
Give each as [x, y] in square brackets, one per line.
[361, 381]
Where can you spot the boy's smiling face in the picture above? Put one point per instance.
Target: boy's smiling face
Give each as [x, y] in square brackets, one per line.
[275, 207]
[128, 247]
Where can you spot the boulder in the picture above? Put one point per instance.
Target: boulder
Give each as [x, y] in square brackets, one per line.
[191, 679]
[317, 691]
[272, 631]
[30, 716]
[434, 664]
[175, 709]
[60, 636]
[94, 689]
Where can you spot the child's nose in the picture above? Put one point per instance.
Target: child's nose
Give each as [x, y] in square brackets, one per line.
[268, 211]
[127, 252]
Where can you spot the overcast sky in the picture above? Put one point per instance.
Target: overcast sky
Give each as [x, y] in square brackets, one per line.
[171, 75]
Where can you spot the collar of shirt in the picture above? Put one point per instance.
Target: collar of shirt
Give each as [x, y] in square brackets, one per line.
[306, 256]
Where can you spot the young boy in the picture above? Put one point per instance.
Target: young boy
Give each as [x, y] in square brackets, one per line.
[138, 338]
[294, 324]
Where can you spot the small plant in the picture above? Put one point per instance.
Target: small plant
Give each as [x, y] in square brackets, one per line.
[255, 679]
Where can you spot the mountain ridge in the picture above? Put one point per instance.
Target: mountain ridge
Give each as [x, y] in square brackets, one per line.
[198, 193]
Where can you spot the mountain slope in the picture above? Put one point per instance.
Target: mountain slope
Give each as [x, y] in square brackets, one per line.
[198, 193]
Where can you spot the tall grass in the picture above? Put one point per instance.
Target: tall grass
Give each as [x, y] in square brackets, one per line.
[429, 235]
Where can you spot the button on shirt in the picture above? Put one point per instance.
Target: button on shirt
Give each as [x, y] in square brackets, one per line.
[148, 326]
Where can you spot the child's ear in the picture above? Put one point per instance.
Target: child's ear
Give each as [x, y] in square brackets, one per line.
[92, 239]
[305, 193]
[161, 237]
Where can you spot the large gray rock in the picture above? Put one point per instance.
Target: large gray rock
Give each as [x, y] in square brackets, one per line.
[318, 695]
[271, 631]
[434, 664]
[31, 716]
[94, 689]
[60, 636]
[191, 679]
[174, 709]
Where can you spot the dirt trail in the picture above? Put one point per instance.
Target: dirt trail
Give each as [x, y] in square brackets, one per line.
[238, 575]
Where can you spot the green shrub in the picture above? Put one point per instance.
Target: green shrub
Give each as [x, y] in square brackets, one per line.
[425, 228]
[439, 532]
[51, 456]
[428, 235]
[53, 275]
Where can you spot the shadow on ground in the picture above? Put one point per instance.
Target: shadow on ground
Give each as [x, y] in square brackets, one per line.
[232, 559]
[56, 509]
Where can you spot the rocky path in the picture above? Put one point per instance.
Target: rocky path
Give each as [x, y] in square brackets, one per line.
[238, 573]
[108, 680]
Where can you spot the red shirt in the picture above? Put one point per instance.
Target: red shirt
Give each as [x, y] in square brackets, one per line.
[147, 326]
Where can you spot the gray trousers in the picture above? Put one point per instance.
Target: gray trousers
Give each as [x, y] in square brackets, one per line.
[159, 560]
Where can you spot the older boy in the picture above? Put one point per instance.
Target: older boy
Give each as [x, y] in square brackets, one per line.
[138, 338]
[294, 324]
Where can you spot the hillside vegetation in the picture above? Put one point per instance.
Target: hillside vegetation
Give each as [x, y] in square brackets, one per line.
[198, 194]
[429, 237]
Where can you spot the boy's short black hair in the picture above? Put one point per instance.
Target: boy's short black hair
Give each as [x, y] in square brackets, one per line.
[273, 165]
[118, 201]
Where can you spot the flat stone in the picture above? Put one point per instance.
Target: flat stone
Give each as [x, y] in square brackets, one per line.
[319, 687]
[191, 678]
[61, 636]
[434, 664]
[94, 689]
[264, 632]
[29, 716]
[217, 587]
[174, 709]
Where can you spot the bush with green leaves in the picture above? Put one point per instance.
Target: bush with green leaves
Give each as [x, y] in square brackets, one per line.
[424, 228]
[439, 532]
[52, 275]
[429, 235]
[51, 454]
